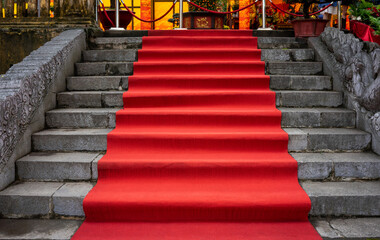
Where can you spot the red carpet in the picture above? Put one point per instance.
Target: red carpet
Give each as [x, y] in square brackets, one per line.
[198, 151]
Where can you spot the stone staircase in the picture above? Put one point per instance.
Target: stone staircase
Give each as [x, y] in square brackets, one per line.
[336, 167]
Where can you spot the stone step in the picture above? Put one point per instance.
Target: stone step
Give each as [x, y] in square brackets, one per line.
[287, 55]
[120, 43]
[291, 117]
[104, 68]
[300, 139]
[273, 33]
[293, 68]
[281, 42]
[98, 99]
[126, 68]
[277, 82]
[47, 199]
[76, 166]
[129, 55]
[97, 83]
[63, 229]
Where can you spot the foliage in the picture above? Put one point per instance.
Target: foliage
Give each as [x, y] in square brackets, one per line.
[367, 13]
[209, 4]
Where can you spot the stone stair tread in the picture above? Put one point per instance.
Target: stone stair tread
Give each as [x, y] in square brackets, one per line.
[300, 139]
[64, 229]
[291, 117]
[59, 166]
[126, 55]
[65, 199]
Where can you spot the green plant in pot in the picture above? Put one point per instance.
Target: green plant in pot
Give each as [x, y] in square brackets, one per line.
[367, 13]
[197, 18]
[307, 27]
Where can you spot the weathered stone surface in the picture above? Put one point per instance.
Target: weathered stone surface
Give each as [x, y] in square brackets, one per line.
[343, 198]
[357, 228]
[104, 68]
[337, 139]
[309, 98]
[112, 99]
[289, 82]
[116, 43]
[68, 199]
[110, 55]
[50, 166]
[27, 199]
[313, 166]
[293, 68]
[317, 117]
[297, 139]
[287, 55]
[97, 83]
[79, 99]
[71, 140]
[280, 42]
[47, 229]
[336, 166]
[81, 118]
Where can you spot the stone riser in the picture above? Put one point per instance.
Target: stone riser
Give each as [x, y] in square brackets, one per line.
[98, 99]
[291, 117]
[300, 139]
[31, 199]
[277, 82]
[126, 68]
[132, 55]
[80, 166]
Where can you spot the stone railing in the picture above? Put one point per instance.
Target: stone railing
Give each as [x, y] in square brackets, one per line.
[28, 90]
[355, 68]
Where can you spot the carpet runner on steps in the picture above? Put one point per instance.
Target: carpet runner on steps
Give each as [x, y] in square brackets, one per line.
[198, 151]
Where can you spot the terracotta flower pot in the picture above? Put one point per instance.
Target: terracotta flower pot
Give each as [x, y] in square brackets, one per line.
[308, 27]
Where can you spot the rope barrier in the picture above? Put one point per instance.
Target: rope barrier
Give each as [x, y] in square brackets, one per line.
[211, 11]
[149, 21]
[299, 15]
[105, 12]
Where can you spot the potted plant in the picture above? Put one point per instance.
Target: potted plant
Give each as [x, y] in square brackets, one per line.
[199, 19]
[307, 27]
[366, 21]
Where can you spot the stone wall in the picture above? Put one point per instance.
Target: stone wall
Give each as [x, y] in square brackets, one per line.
[82, 8]
[355, 68]
[28, 90]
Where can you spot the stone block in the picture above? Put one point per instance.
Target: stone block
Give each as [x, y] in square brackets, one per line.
[38, 229]
[300, 117]
[52, 166]
[27, 199]
[116, 43]
[313, 166]
[297, 139]
[110, 55]
[337, 139]
[310, 98]
[70, 140]
[112, 99]
[79, 99]
[280, 42]
[287, 55]
[104, 68]
[343, 198]
[294, 68]
[97, 83]
[68, 200]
